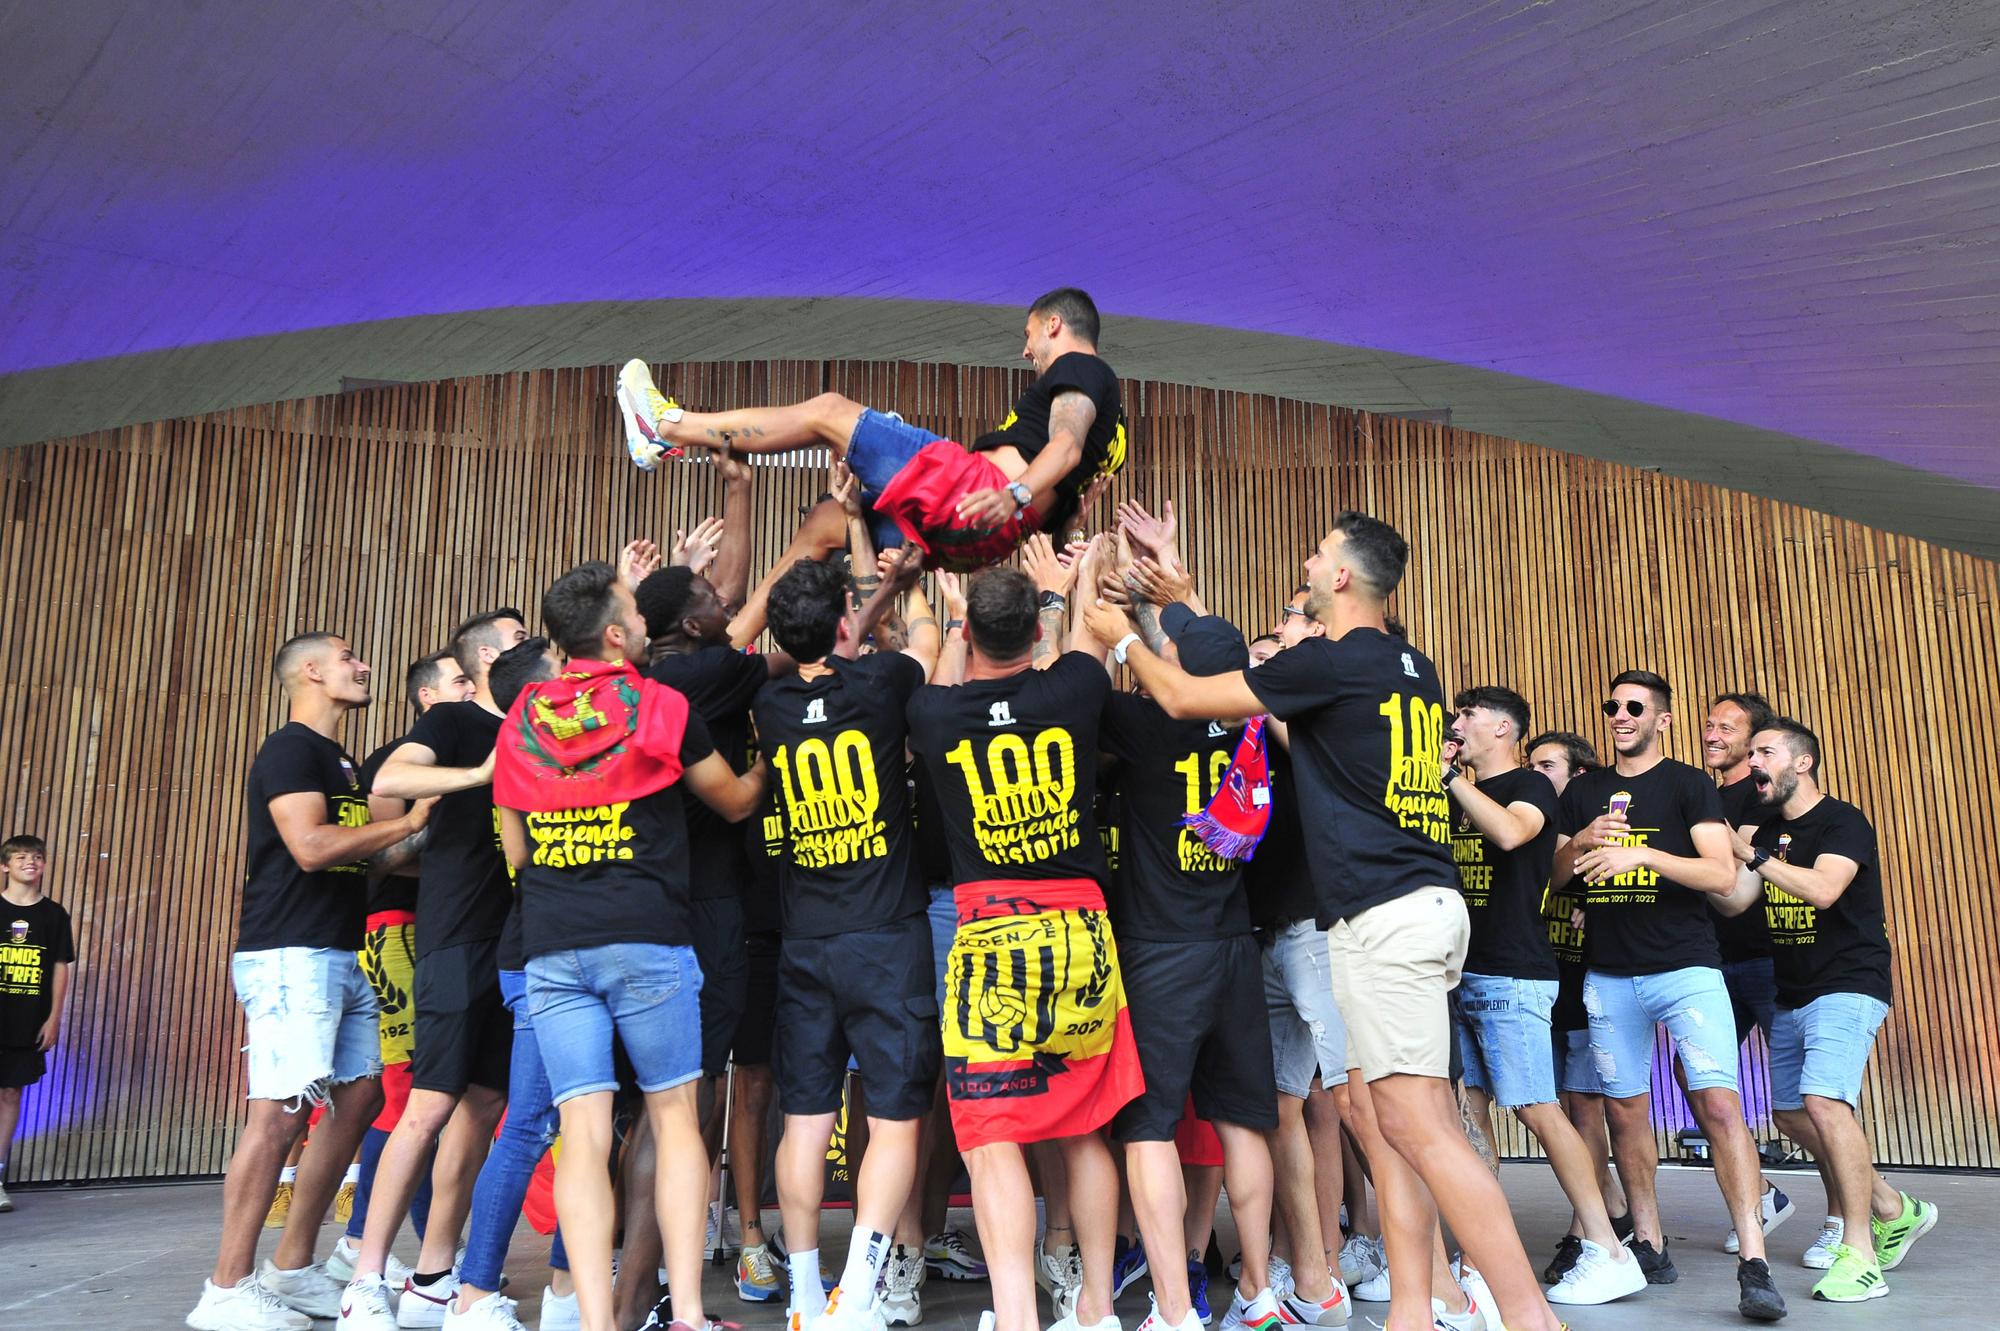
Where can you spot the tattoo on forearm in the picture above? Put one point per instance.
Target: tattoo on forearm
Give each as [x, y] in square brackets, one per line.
[1146, 616]
[1052, 620]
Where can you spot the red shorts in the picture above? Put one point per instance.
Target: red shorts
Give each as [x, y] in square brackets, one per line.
[396, 1078]
[923, 496]
[1037, 1040]
[1195, 1139]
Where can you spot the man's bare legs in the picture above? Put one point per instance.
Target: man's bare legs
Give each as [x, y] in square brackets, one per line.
[1323, 1115]
[1297, 1201]
[801, 1169]
[328, 1150]
[1003, 1207]
[1575, 1170]
[748, 1108]
[1737, 1171]
[1204, 1189]
[827, 419]
[424, 1123]
[682, 1172]
[1159, 1203]
[252, 1180]
[1409, 1225]
[1093, 1207]
[1832, 1135]
[1586, 1114]
[637, 1285]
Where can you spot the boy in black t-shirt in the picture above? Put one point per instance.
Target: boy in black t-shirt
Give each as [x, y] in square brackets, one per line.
[37, 952]
[1036, 472]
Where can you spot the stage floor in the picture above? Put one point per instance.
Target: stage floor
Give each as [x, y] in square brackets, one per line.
[135, 1257]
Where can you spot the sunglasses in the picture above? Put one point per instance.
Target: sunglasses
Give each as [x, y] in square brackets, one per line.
[1633, 707]
[1288, 611]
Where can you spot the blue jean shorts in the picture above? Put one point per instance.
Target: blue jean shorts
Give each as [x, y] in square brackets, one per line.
[882, 445]
[1575, 1070]
[1307, 1033]
[648, 993]
[1821, 1048]
[311, 1021]
[1692, 1003]
[1503, 1027]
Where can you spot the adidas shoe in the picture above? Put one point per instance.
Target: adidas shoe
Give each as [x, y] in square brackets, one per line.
[1851, 1279]
[1894, 1237]
[644, 409]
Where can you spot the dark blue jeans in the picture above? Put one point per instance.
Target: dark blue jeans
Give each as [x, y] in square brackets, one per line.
[503, 1179]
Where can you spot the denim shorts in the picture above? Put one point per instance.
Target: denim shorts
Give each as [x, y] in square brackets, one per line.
[1575, 1070]
[1753, 994]
[882, 445]
[1692, 1003]
[1503, 1027]
[1821, 1048]
[1307, 1034]
[648, 993]
[311, 1021]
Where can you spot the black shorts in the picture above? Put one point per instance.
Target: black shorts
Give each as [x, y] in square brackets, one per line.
[20, 1067]
[1198, 1017]
[760, 1000]
[872, 994]
[717, 925]
[464, 1032]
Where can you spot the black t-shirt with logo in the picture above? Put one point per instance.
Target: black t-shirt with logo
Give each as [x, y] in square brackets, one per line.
[1843, 949]
[933, 848]
[835, 743]
[1640, 923]
[34, 940]
[1276, 879]
[1367, 727]
[720, 683]
[1170, 885]
[283, 905]
[464, 891]
[1566, 945]
[1742, 937]
[611, 873]
[1026, 428]
[394, 891]
[1503, 889]
[1014, 764]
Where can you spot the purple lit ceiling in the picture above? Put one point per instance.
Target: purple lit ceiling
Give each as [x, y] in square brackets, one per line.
[1785, 216]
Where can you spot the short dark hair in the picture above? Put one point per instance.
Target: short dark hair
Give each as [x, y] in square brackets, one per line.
[1663, 693]
[663, 596]
[424, 673]
[1001, 612]
[1267, 637]
[294, 648]
[477, 632]
[1494, 698]
[22, 843]
[1754, 706]
[1576, 749]
[1394, 628]
[806, 606]
[1075, 306]
[526, 662]
[1798, 738]
[1379, 551]
[578, 607]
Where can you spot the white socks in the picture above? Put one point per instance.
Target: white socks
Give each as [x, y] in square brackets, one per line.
[865, 1255]
[808, 1296]
[288, 1174]
[353, 1174]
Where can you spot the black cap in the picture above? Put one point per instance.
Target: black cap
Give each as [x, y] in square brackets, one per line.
[1208, 644]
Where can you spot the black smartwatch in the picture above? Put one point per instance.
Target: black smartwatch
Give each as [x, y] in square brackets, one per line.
[1054, 601]
[1450, 775]
[1758, 858]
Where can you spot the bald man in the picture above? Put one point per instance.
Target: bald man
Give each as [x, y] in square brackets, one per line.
[309, 1014]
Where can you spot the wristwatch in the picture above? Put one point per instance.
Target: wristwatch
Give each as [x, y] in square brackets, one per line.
[1023, 496]
[1450, 775]
[1757, 859]
[1118, 652]
[1054, 601]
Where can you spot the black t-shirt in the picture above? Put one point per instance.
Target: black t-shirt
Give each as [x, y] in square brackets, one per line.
[611, 873]
[1742, 937]
[283, 905]
[835, 744]
[1367, 726]
[764, 856]
[464, 890]
[1566, 945]
[1843, 949]
[1640, 923]
[1278, 883]
[1503, 889]
[933, 847]
[34, 940]
[1014, 765]
[1026, 428]
[1170, 885]
[395, 891]
[720, 683]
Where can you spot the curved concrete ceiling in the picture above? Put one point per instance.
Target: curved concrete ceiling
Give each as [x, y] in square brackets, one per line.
[1756, 243]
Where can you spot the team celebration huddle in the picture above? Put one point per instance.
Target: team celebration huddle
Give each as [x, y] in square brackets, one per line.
[1069, 879]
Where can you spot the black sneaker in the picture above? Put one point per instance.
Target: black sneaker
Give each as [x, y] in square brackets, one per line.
[1760, 1301]
[1621, 1225]
[1659, 1267]
[662, 1315]
[1568, 1248]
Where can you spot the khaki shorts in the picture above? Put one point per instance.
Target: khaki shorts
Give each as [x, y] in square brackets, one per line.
[1393, 965]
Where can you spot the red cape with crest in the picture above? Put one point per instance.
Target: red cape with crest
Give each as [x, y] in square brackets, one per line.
[599, 733]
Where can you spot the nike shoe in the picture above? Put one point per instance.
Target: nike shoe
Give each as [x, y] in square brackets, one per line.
[1598, 1276]
[902, 1284]
[1155, 1322]
[1657, 1263]
[309, 1289]
[1128, 1264]
[1360, 1259]
[364, 1305]
[1333, 1310]
[1472, 1319]
[1832, 1232]
[1851, 1279]
[1259, 1314]
[1758, 1299]
[1568, 1248]
[1198, 1290]
[424, 1305]
[756, 1275]
[1894, 1237]
[844, 1313]
[281, 1208]
[949, 1257]
[346, 1252]
[495, 1312]
[244, 1306]
[644, 409]
[1774, 1209]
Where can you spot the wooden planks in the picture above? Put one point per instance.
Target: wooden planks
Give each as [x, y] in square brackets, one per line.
[151, 571]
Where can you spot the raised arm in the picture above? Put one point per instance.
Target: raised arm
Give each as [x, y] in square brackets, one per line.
[908, 566]
[1055, 578]
[1183, 696]
[412, 772]
[718, 786]
[951, 658]
[926, 640]
[731, 578]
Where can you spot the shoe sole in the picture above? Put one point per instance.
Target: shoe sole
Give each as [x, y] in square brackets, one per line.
[1597, 1302]
[1762, 1314]
[944, 1271]
[1924, 1226]
[755, 1294]
[638, 438]
[1669, 1276]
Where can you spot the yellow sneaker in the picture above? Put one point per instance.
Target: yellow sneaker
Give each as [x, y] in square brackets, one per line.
[343, 1204]
[644, 409]
[281, 1208]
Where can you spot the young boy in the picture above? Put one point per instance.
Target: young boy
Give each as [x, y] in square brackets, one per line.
[36, 953]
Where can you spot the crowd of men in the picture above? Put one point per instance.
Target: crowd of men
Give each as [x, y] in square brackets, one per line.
[1244, 924]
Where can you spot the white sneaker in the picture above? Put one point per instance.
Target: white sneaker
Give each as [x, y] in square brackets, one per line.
[340, 1264]
[1251, 1312]
[1280, 1271]
[902, 1278]
[559, 1312]
[365, 1306]
[495, 1312]
[845, 1312]
[1192, 1322]
[1375, 1289]
[1333, 1310]
[1472, 1319]
[1599, 1277]
[1472, 1282]
[243, 1306]
[1832, 1234]
[1774, 1208]
[724, 1243]
[1360, 1260]
[424, 1305]
[309, 1289]
[6, 1202]
[1068, 1322]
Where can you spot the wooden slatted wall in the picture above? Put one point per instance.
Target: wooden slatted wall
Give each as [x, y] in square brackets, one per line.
[150, 571]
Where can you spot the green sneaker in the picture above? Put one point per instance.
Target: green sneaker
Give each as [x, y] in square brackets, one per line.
[1853, 1279]
[1893, 1238]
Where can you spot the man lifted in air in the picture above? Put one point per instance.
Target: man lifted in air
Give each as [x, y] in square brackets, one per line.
[964, 508]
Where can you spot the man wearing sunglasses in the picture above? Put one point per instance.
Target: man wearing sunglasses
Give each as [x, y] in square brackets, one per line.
[1647, 838]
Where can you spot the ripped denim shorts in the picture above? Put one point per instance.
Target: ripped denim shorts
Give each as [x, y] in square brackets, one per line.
[310, 1018]
[1692, 1003]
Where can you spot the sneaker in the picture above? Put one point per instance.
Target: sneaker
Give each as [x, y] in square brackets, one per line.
[725, 1242]
[343, 1204]
[424, 1305]
[1568, 1248]
[1128, 1264]
[1472, 1319]
[643, 408]
[6, 1202]
[1472, 1282]
[1893, 1238]
[495, 1312]
[1258, 1314]
[857, 1313]
[309, 1289]
[1375, 1289]
[1599, 1276]
[1236, 1266]
[1775, 1209]
[1198, 1291]
[661, 1316]
[1358, 1260]
[756, 1275]
[1759, 1299]
[902, 1280]
[346, 1252]
[281, 1208]
[1052, 1269]
[1655, 1262]
[243, 1306]
[1622, 1226]
[364, 1305]
[1155, 1322]
[1819, 1257]
[559, 1312]
[1330, 1311]
[949, 1257]
[1282, 1284]
[1068, 1322]
[1852, 1279]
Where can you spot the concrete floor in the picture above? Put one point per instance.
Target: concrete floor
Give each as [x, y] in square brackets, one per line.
[134, 1258]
